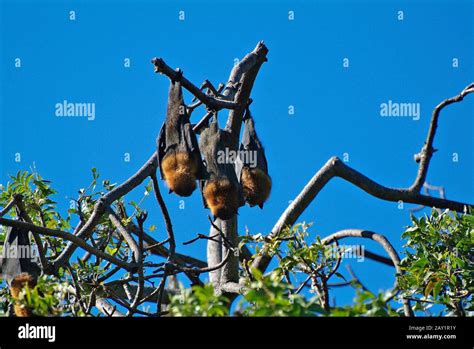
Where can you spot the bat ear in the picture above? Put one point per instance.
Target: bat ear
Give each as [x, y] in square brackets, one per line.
[261, 206]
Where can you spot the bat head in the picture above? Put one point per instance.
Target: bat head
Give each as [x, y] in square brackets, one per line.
[179, 171]
[222, 197]
[256, 186]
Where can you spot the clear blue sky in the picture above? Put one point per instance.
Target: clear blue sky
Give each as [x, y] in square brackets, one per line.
[337, 109]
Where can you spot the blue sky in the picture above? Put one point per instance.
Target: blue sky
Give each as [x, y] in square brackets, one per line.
[337, 109]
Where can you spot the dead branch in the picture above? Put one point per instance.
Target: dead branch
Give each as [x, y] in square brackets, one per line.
[210, 101]
[424, 157]
[336, 168]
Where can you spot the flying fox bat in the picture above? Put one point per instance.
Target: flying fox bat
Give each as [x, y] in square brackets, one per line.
[221, 191]
[252, 167]
[17, 267]
[179, 157]
[14, 261]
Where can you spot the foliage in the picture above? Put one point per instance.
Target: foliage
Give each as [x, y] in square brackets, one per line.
[50, 297]
[367, 303]
[439, 248]
[198, 301]
[37, 199]
[439, 263]
[438, 267]
[271, 296]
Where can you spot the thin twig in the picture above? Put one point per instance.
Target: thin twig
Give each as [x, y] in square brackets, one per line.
[210, 101]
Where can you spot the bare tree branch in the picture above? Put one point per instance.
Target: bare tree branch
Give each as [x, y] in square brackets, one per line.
[234, 288]
[427, 151]
[336, 168]
[104, 202]
[243, 75]
[70, 237]
[210, 101]
[126, 235]
[238, 89]
[107, 309]
[9, 206]
[141, 281]
[426, 188]
[172, 244]
[166, 216]
[156, 248]
[355, 279]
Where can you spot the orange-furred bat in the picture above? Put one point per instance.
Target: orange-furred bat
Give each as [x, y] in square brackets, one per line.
[18, 266]
[252, 167]
[221, 191]
[179, 157]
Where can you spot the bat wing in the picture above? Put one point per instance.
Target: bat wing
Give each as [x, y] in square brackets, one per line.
[239, 165]
[161, 145]
[171, 132]
[175, 103]
[251, 147]
[13, 263]
[202, 184]
[189, 144]
[262, 160]
[177, 133]
[211, 142]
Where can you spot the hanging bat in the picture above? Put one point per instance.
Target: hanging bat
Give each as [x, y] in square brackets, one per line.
[17, 255]
[179, 157]
[17, 266]
[252, 167]
[221, 191]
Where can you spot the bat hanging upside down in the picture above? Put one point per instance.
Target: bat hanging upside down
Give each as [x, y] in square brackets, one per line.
[18, 269]
[221, 196]
[179, 157]
[252, 167]
[221, 191]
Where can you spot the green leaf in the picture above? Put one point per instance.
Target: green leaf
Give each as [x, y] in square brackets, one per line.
[437, 289]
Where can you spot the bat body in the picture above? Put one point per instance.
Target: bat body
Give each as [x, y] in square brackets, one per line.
[221, 191]
[18, 255]
[252, 167]
[179, 157]
[18, 267]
